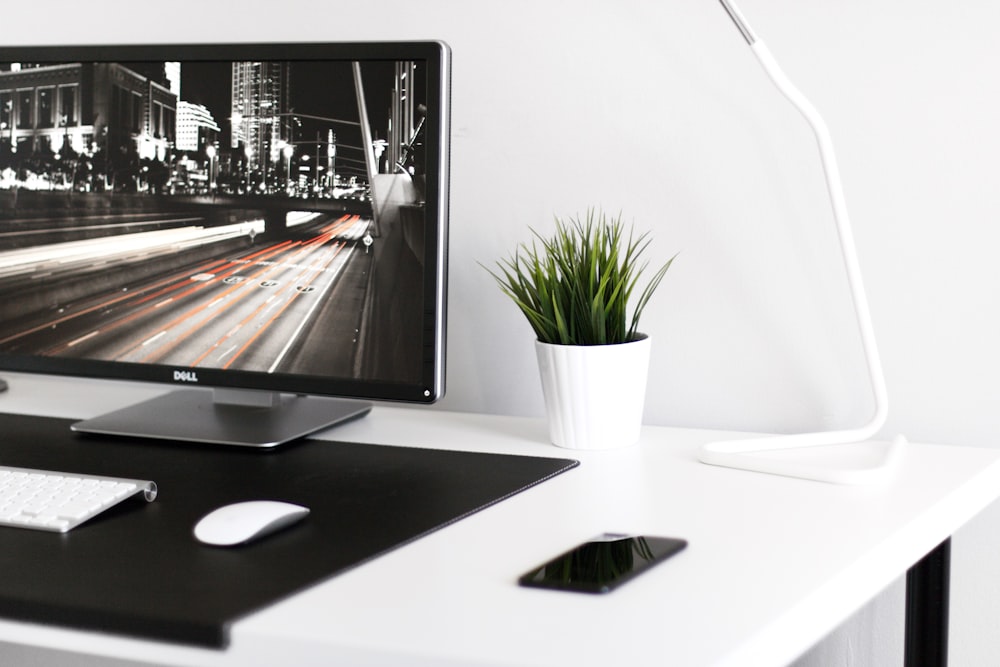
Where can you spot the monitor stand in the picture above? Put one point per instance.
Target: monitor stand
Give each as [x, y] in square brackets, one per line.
[226, 417]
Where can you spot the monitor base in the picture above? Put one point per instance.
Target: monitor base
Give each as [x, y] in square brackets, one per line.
[226, 417]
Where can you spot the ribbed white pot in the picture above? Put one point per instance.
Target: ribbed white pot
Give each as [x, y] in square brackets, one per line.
[594, 394]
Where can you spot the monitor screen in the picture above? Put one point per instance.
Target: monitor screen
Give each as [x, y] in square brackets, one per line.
[268, 221]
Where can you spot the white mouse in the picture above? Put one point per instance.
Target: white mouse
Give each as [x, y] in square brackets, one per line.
[243, 522]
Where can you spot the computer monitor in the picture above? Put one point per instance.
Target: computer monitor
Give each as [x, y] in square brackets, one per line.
[265, 224]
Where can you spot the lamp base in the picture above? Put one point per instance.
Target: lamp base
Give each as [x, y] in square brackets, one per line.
[867, 462]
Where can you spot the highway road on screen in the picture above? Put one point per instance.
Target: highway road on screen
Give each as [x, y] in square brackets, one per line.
[245, 310]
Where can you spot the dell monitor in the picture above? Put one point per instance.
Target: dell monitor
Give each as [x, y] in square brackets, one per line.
[264, 224]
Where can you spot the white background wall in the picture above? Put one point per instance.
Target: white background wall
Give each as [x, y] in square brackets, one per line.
[658, 110]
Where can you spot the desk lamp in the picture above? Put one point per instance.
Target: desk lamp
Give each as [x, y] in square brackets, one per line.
[744, 454]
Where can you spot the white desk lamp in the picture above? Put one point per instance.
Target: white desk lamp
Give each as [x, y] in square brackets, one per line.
[743, 453]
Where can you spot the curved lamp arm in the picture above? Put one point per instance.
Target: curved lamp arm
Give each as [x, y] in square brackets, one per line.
[737, 453]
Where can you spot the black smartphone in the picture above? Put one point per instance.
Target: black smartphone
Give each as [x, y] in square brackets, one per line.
[602, 564]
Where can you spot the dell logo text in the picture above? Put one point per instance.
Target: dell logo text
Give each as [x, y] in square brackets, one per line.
[185, 376]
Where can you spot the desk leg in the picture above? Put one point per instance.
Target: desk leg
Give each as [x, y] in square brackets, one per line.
[926, 642]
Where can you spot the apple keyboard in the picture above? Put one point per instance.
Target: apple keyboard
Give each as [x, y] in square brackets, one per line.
[60, 501]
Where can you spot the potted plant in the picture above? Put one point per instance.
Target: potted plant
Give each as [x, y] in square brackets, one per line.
[578, 290]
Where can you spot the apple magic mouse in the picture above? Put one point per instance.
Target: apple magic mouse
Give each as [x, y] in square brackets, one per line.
[243, 522]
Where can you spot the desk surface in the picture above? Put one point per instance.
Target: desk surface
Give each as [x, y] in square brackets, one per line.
[773, 564]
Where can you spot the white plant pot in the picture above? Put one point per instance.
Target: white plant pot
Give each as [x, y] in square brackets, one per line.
[594, 394]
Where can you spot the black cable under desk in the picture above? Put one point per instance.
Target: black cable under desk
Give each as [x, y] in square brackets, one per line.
[136, 569]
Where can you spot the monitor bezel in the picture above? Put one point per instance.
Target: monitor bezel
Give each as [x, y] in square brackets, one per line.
[436, 56]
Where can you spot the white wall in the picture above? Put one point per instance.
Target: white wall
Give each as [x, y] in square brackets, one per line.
[658, 109]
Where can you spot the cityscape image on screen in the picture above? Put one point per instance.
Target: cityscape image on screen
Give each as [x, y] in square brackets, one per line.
[264, 216]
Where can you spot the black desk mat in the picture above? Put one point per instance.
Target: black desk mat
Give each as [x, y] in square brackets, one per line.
[137, 570]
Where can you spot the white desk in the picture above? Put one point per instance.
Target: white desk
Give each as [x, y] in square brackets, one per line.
[773, 564]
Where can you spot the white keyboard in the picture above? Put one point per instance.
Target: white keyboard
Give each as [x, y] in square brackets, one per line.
[60, 501]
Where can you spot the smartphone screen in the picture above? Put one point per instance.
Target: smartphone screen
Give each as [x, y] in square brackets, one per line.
[602, 564]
